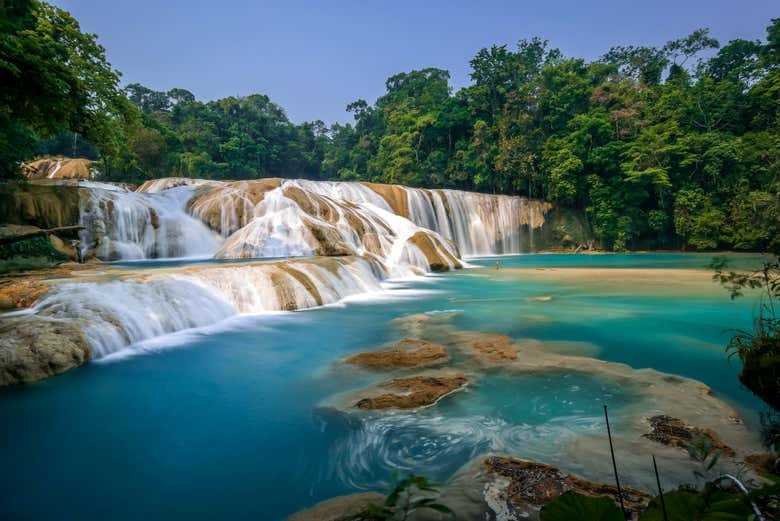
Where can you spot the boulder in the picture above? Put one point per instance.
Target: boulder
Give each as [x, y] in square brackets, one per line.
[33, 348]
[339, 508]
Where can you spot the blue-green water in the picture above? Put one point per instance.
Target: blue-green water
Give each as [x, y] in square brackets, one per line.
[227, 423]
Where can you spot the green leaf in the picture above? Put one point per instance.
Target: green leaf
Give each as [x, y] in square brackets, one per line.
[683, 505]
[576, 507]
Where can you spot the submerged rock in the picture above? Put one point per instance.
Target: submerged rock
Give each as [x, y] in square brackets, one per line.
[674, 432]
[488, 347]
[340, 508]
[408, 352]
[32, 349]
[412, 392]
[524, 487]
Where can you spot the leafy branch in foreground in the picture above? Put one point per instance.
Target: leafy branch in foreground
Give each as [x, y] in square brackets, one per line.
[759, 348]
[409, 495]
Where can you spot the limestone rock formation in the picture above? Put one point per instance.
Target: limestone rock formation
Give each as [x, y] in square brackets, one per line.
[412, 392]
[406, 353]
[439, 259]
[59, 168]
[340, 508]
[229, 206]
[32, 348]
[42, 205]
[488, 347]
[676, 433]
[526, 486]
[20, 292]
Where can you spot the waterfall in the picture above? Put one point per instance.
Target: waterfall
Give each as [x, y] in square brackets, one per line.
[479, 224]
[119, 224]
[171, 217]
[117, 313]
[359, 233]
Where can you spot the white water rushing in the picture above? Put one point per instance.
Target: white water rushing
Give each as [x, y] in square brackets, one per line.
[479, 224]
[118, 313]
[156, 221]
[119, 224]
[384, 231]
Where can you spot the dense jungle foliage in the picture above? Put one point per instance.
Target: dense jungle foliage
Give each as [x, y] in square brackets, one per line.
[677, 147]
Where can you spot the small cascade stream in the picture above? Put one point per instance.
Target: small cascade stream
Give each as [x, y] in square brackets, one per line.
[117, 313]
[120, 224]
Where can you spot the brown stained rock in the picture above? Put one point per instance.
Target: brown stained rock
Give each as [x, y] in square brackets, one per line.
[69, 168]
[490, 347]
[674, 432]
[762, 462]
[372, 243]
[439, 259]
[32, 349]
[394, 195]
[237, 197]
[413, 392]
[305, 281]
[42, 205]
[340, 508]
[313, 204]
[20, 292]
[285, 291]
[409, 352]
[533, 484]
[329, 240]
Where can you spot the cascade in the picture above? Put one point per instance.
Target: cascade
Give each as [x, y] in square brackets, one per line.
[119, 224]
[117, 313]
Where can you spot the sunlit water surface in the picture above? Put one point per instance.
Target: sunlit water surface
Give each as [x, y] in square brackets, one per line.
[227, 423]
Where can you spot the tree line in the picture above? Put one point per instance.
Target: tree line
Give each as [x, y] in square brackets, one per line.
[666, 147]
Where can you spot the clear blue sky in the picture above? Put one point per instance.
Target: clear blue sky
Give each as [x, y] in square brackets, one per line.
[313, 58]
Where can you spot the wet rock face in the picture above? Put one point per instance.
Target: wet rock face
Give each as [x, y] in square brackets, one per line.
[33, 349]
[59, 168]
[674, 432]
[439, 259]
[409, 352]
[229, 206]
[528, 485]
[20, 292]
[412, 392]
[41, 205]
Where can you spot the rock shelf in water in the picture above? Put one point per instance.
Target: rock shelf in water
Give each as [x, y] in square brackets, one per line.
[406, 353]
[106, 309]
[674, 432]
[523, 487]
[412, 392]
